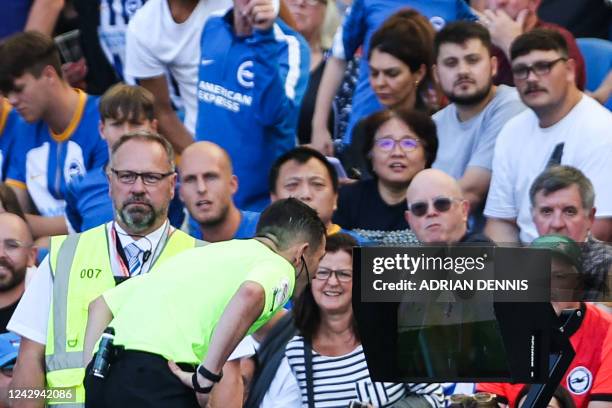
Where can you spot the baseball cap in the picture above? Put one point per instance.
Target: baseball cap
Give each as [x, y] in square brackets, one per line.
[561, 246]
[9, 347]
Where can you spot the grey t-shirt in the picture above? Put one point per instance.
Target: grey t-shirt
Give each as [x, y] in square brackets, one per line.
[471, 143]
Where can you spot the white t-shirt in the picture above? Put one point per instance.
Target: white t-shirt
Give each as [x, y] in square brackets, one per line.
[523, 150]
[155, 44]
[31, 317]
[471, 143]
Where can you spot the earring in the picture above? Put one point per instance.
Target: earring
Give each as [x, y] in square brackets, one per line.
[416, 83]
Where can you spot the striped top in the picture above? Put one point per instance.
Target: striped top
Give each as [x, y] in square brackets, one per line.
[342, 379]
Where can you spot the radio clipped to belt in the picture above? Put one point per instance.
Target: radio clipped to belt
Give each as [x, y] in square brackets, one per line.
[106, 354]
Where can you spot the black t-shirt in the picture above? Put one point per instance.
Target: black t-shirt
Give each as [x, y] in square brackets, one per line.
[304, 129]
[360, 206]
[583, 18]
[5, 315]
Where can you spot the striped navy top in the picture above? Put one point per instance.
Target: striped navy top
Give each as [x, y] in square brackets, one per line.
[342, 379]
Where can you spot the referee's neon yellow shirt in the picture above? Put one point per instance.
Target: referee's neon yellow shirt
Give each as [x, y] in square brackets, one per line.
[173, 310]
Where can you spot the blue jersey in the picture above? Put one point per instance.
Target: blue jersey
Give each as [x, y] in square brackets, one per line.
[46, 163]
[246, 229]
[364, 18]
[8, 124]
[249, 95]
[88, 203]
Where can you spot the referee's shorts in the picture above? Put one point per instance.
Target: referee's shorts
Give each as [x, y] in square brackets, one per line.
[138, 379]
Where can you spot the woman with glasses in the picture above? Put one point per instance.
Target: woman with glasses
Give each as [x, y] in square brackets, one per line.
[400, 59]
[329, 343]
[397, 145]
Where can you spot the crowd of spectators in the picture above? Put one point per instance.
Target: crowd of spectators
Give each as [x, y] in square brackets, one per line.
[134, 132]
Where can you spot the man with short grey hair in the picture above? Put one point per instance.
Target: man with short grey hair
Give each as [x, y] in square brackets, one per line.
[562, 201]
[52, 314]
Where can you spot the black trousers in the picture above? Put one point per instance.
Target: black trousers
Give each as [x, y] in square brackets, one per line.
[138, 379]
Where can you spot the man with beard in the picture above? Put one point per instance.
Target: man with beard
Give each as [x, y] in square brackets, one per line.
[16, 255]
[562, 126]
[207, 187]
[52, 315]
[468, 127]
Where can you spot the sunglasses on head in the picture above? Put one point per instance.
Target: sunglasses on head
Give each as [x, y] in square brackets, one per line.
[441, 204]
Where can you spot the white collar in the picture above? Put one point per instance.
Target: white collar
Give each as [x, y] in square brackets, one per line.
[147, 243]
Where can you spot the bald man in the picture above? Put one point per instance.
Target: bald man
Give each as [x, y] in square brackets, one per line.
[437, 211]
[207, 188]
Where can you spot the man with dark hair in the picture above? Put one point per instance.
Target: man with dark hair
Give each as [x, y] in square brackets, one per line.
[199, 318]
[562, 202]
[506, 20]
[207, 187]
[52, 315]
[60, 142]
[307, 175]
[562, 126]
[468, 127]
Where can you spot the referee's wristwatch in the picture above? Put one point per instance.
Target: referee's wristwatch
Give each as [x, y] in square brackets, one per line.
[215, 378]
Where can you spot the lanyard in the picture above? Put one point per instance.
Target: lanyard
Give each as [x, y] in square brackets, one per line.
[122, 260]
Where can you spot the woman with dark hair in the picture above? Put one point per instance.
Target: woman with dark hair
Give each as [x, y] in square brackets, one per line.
[400, 62]
[400, 59]
[328, 339]
[397, 145]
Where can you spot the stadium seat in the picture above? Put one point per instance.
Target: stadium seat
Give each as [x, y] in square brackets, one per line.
[597, 55]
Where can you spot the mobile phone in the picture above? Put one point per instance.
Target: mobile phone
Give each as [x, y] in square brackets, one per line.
[357, 404]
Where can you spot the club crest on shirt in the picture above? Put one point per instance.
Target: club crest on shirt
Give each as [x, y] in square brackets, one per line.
[131, 6]
[245, 74]
[76, 171]
[437, 22]
[281, 293]
[579, 380]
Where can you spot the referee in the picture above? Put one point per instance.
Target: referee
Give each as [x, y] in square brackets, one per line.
[200, 304]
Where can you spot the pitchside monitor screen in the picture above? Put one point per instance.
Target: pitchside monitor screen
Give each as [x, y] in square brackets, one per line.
[450, 338]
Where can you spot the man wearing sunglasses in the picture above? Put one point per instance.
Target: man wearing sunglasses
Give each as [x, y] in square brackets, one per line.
[52, 315]
[437, 211]
[562, 126]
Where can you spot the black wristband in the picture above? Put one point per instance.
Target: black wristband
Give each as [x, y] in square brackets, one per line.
[208, 375]
[196, 386]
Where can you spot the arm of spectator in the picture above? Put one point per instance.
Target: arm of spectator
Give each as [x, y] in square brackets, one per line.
[281, 68]
[241, 312]
[43, 15]
[603, 93]
[330, 82]
[29, 372]
[230, 390]
[98, 319]
[46, 226]
[502, 230]
[168, 122]
[475, 184]
[503, 28]
[602, 229]
[285, 14]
